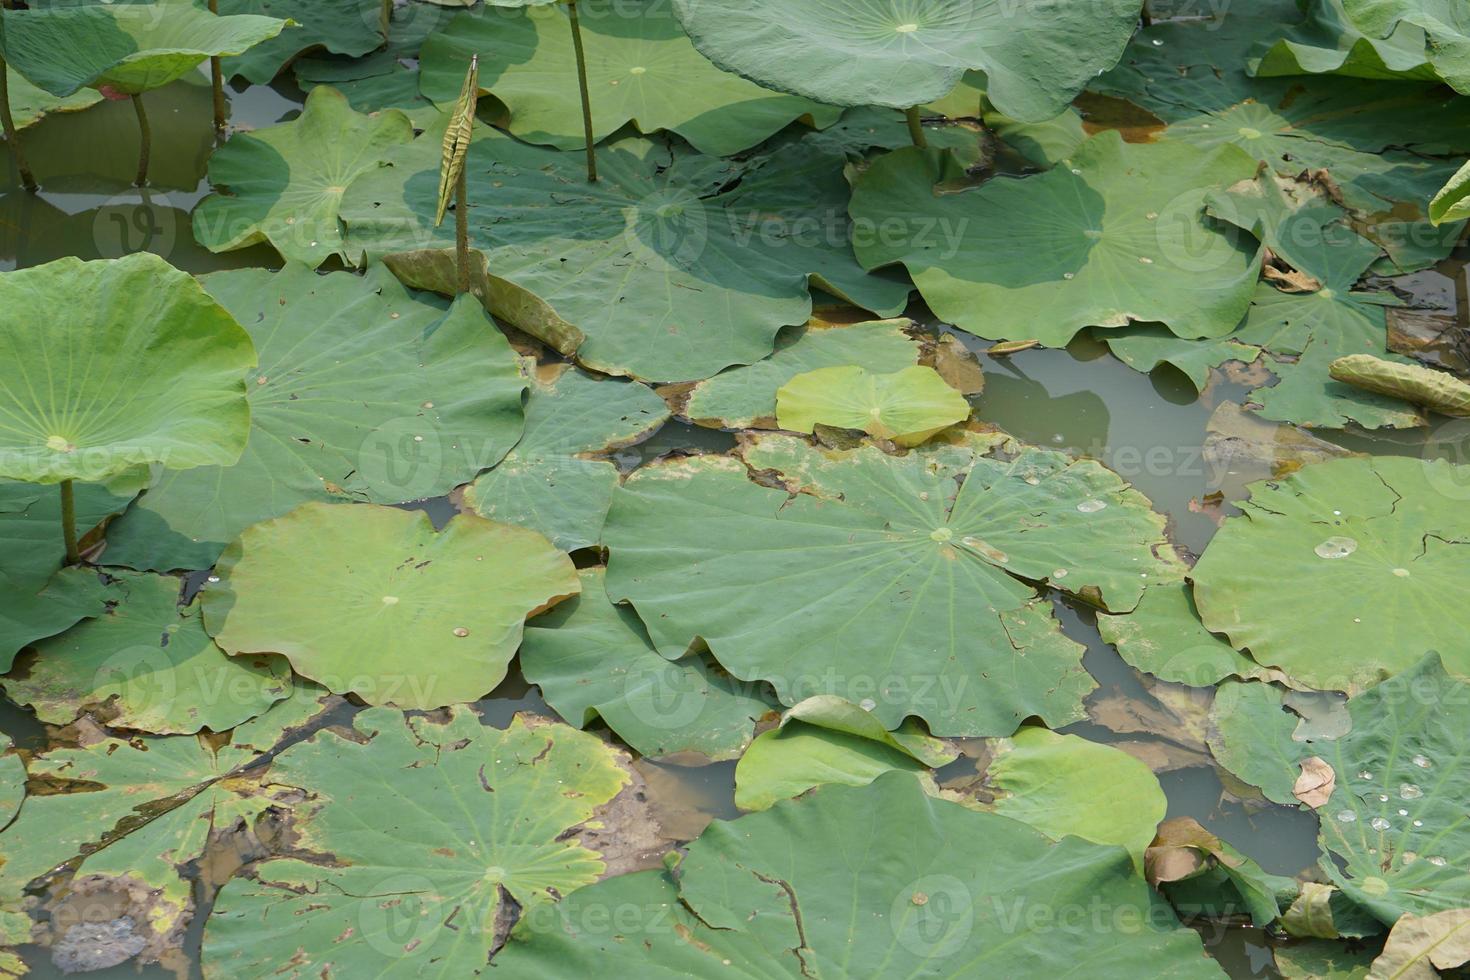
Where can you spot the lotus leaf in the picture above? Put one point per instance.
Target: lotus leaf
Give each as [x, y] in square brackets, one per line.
[1144, 348]
[399, 613]
[470, 822]
[283, 184]
[365, 391]
[1435, 390]
[558, 479]
[907, 406]
[1164, 637]
[1394, 833]
[1326, 42]
[371, 85]
[188, 788]
[1204, 877]
[125, 48]
[172, 394]
[1318, 959]
[593, 659]
[745, 397]
[885, 578]
[1445, 25]
[348, 27]
[1425, 947]
[149, 666]
[826, 739]
[875, 881]
[1452, 202]
[29, 104]
[674, 264]
[641, 69]
[12, 781]
[901, 54]
[1113, 235]
[1338, 531]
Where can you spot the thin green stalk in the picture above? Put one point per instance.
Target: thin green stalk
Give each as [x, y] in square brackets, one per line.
[582, 82]
[916, 128]
[12, 135]
[217, 79]
[462, 232]
[146, 135]
[1145, 18]
[69, 523]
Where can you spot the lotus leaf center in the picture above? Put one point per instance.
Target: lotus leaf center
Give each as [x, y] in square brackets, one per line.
[1092, 233]
[906, 28]
[637, 70]
[59, 445]
[1249, 133]
[941, 534]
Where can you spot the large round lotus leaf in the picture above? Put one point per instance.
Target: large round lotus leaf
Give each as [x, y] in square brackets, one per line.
[641, 69]
[374, 601]
[1326, 42]
[144, 369]
[907, 406]
[593, 659]
[558, 479]
[1393, 832]
[1336, 533]
[1063, 784]
[464, 824]
[1445, 25]
[349, 27]
[147, 665]
[125, 47]
[673, 265]
[282, 184]
[745, 397]
[1164, 637]
[826, 739]
[900, 53]
[885, 578]
[870, 882]
[38, 598]
[187, 786]
[365, 392]
[1113, 235]
[29, 104]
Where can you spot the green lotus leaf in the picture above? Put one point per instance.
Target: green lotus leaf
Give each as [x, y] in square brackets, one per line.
[641, 69]
[398, 613]
[674, 264]
[283, 184]
[867, 882]
[37, 597]
[1063, 784]
[1113, 235]
[873, 580]
[1204, 877]
[125, 48]
[1394, 832]
[29, 104]
[558, 480]
[1320, 959]
[1326, 43]
[467, 820]
[347, 27]
[365, 391]
[1144, 348]
[901, 54]
[1386, 527]
[593, 659]
[1435, 390]
[1164, 637]
[1383, 145]
[1452, 201]
[371, 85]
[1445, 25]
[745, 397]
[907, 406]
[186, 786]
[147, 665]
[827, 739]
[171, 395]
[12, 781]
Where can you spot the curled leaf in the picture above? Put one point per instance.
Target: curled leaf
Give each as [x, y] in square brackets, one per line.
[457, 138]
[1315, 784]
[1421, 385]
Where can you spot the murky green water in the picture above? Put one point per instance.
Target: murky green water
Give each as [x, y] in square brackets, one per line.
[1151, 430]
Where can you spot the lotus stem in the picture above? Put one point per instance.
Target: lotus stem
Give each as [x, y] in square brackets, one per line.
[12, 136]
[387, 19]
[462, 231]
[1144, 18]
[217, 80]
[146, 142]
[69, 523]
[582, 82]
[916, 127]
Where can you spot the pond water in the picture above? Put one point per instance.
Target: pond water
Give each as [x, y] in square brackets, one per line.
[1150, 429]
